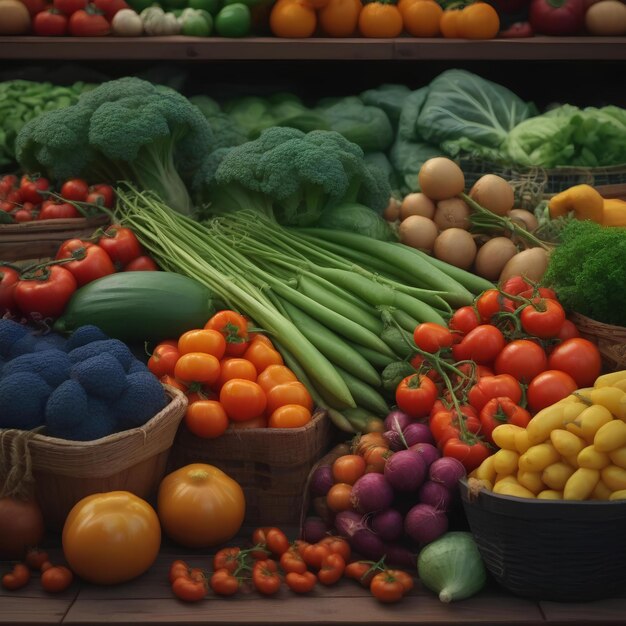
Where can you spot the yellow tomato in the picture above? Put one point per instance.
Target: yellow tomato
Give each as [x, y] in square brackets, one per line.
[109, 538]
[200, 506]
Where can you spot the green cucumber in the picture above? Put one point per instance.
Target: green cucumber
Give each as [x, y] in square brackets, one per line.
[139, 306]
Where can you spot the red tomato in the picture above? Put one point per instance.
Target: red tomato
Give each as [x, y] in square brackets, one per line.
[471, 452]
[568, 331]
[106, 191]
[332, 568]
[68, 7]
[75, 189]
[446, 424]
[540, 292]
[523, 359]
[120, 244]
[34, 6]
[415, 395]
[500, 386]
[31, 189]
[464, 320]
[265, 577]
[110, 7]
[163, 359]
[46, 293]
[23, 215]
[549, 387]
[502, 411]
[481, 345]
[543, 318]
[234, 327]
[58, 210]
[56, 579]
[90, 262]
[86, 23]
[579, 358]
[432, 337]
[488, 304]
[50, 23]
[515, 285]
[142, 264]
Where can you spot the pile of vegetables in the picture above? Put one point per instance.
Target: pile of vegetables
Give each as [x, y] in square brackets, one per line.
[83, 388]
[574, 449]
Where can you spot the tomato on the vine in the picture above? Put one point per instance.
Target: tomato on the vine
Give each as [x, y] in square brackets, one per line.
[9, 277]
[361, 571]
[431, 337]
[489, 303]
[502, 411]
[499, 386]
[90, 261]
[481, 345]
[234, 328]
[75, 189]
[265, 577]
[542, 318]
[445, 424]
[291, 561]
[470, 450]
[387, 588]
[56, 579]
[578, 357]
[190, 590]
[223, 583]
[548, 388]
[415, 395]
[331, 570]
[121, 244]
[227, 558]
[46, 292]
[58, 210]
[568, 331]
[33, 189]
[464, 320]
[522, 359]
[300, 582]
[142, 263]
[106, 191]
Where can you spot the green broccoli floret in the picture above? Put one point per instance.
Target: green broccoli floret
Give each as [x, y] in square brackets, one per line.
[225, 132]
[588, 271]
[293, 176]
[126, 129]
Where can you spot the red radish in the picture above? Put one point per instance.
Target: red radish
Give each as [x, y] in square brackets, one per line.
[405, 470]
[371, 492]
[424, 523]
[436, 494]
[447, 471]
[388, 524]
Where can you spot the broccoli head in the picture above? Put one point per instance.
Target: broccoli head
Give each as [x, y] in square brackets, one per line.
[126, 129]
[293, 176]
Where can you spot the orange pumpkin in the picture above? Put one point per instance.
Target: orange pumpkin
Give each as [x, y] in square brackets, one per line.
[340, 18]
[378, 20]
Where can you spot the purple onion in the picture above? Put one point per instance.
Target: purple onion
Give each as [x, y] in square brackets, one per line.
[394, 439]
[427, 451]
[349, 522]
[388, 524]
[314, 529]
[397, 420]
[371, 492]
[417, 432]
[436, 494]
[399, 556]
[405, 470]
[367, 543]
[321, 481]
[424, 523]
[447, 471]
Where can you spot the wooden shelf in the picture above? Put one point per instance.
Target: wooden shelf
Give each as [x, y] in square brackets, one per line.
[178, 48]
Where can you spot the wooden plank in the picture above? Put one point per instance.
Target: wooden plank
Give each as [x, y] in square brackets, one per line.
[26, 611]
[611, 611]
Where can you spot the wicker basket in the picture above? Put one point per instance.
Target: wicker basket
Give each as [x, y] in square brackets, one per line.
[41, 239]
[132, 460]
[611, 340]
[564, 551]
[270, 464]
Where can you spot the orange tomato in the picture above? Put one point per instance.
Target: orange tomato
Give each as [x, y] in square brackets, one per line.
[478, 21]
[338, 497]
[112, 537]
[289, 393]
[340, 18]
[348, 468]
[289, 416]
[208, 341]
[200, 506]
[234, 328]
[293, 19]
[206, 419]
[380, 20]
[421, 19]
[274, 375]
[236, 368]
[376, 458]
[255, 422]
[449, 23]
[242, 399]
[197, 367]
[262, 354]
[259, 336]
[403, 4]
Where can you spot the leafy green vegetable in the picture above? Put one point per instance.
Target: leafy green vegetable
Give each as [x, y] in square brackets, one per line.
[588, 271]
[389, 98]
[367, 126]
[125, 129]
[225, 132]
[356, 218]
[381, 161]
[464, 113]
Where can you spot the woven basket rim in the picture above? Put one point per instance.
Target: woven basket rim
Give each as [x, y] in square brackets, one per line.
[592, 322]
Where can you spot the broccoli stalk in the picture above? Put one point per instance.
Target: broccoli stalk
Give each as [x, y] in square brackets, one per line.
[126, 129]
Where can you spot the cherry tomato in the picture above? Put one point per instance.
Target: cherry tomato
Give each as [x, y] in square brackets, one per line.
[290, 416]
[415, 395]
[522, 359]
[288, 393]
[543, 318]
[361, 571]
[242, 399]
[488, 304]
[276, 541]
[300, 582]
[387, 588]
[265, 577]
[223, 583]
[332, 568]
[17, 578]
[202, 340]
[56, 579]
[314, 555]
[197, 367]
[481, 345]
[502, 411]
[548, 388]
[90, 262]
[33, 189]
[58, 210]
[274, 375]
[348, 468]
[206, 419]
[120, 244]
[75, 189]
[106, 191]
[471, 451]
[9, 277]
[262, 355]
[46, 293]
[189, 590]
[579, 358]
[234, 328]
[464, 320]
[35, 558]
[500, 386]
[162, 361]
[431, 337]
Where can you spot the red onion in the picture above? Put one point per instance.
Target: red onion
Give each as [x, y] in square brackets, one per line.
[424, 523]
[417, 432]
[398, 555]
[321, 481]
[397, 420]
[436, 494]
[388, 524]
[394, 439]
[368, 544]
[427, 451]
[314, 529]
[348, 522]
[405, 470]
[447, 471]
[371, 492]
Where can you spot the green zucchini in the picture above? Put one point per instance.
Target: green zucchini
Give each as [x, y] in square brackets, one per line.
[139, 306]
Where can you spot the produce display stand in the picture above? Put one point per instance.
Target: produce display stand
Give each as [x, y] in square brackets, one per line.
[149, 599]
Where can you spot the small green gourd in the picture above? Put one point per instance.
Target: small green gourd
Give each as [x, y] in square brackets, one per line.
[452, 567]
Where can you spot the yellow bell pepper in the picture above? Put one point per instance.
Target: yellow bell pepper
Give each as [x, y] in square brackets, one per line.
[585, 202]
[614, 213]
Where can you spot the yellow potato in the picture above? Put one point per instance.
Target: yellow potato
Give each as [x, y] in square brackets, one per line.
[521, 441]
[600, 491]
[504, 435]
[531, 480]
[590, 458]
[612, 399]
[512, 489]
[550, 494]
[542, 424]
[566, 443]
[538, 457]
[581, 484]
[609, 380]
[505, 478]
[486, 470]
[555, 476]
[614, 477]
[589, 421]
[618, 495]
[618, 457]
[611, 436]
[505, 461]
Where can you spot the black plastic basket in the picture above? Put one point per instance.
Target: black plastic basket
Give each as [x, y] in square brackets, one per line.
[563, 551]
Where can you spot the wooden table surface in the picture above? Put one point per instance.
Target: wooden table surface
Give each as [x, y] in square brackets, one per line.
[148, 600]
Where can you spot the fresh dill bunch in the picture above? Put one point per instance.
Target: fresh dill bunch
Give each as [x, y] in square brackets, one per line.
[588, 271]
